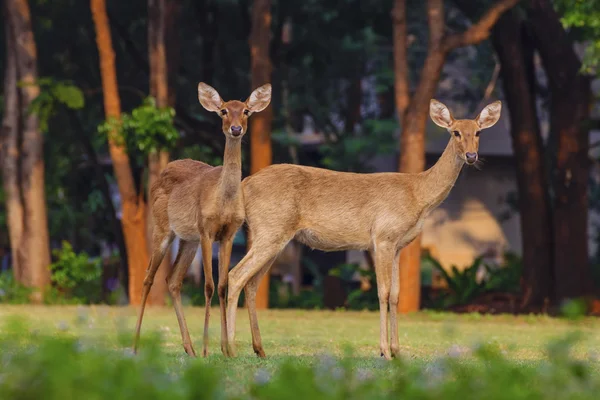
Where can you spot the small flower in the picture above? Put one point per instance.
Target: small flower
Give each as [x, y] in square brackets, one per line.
[262, 377]
[456, 351]
[62, 326]
[2, 293]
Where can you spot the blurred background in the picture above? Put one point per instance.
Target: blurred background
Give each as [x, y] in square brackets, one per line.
[98, 96]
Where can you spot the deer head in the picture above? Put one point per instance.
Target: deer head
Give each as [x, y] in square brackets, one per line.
[465, 132]
[234, 113]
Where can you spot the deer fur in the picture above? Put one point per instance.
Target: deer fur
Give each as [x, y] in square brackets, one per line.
[331, 211]
[201, 204]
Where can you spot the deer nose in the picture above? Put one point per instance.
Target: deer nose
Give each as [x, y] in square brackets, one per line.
[471, 157]
[236, 130]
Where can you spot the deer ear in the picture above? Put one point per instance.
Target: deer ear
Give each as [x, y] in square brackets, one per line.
[259, 99]
[440, 114]
[489, 115]
[209, 97]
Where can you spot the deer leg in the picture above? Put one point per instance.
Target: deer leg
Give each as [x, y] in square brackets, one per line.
[250, 290]
[187, 251]
[160, 243]
[209, 287]
[394, 294]
[224, 260]
[383, 271]
[249, 266]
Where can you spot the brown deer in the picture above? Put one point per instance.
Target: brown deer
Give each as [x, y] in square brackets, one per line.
[201, 204]
[331, 211]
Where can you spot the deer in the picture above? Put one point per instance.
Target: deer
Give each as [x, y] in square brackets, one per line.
[201, 204]
[332, 211]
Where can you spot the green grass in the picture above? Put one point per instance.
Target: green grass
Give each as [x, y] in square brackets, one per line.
[306, 336]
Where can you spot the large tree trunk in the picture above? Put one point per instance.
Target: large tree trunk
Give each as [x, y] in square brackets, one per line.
[413, 112]
[570, 106]
[34, 249]
[157, 161]
[11, 152]
[133, 207]
[518, 78]
[260, 124]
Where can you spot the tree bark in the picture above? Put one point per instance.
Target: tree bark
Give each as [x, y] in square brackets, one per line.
[34, 249]
[570, 106]
[158, 160]
[413, 112]
[260, 124]
[515, 52]
[133, 207]
[11, 153]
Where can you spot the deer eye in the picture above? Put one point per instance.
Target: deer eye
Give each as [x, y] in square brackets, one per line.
[223, 112]
[477, 133]
[246, 112]
[456, 133]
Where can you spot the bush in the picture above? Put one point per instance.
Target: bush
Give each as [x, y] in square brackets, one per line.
[77, 278]
[11, 291]
[65, 366]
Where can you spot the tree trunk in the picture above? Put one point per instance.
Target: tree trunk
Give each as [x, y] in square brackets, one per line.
[570, 106]
[516, 58]
[413, 112]
[34, 246]
[260, 124]
[11, 153]
[133, 207]
[157, 161]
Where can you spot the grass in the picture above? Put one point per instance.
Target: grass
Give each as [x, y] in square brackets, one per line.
[306, 336]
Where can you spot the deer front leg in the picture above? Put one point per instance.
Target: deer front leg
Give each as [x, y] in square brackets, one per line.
[384, 253]
[394, 295]
[209, 287]
[224, 261]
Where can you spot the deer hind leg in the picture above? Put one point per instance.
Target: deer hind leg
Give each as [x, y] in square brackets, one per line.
[224, 261]
[250, 290]
[394, 295]
[384, 254]
[258, 257]
[160, 243]
[187, 251]
[209, 287]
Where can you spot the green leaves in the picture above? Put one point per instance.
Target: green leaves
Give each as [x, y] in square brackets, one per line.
[583, 18]
[146, 129]
[54, 94]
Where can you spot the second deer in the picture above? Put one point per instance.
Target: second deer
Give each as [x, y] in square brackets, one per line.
[201, 204]
[331, 211]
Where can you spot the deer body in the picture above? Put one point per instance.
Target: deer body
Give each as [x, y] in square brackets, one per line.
[201, 204]
[328, 210]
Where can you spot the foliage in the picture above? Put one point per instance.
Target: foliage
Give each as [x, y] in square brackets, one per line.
[76, 276]
[67, 365]
[357, 299]
[583, 17]
[146, 129]
[11, 291]
[53, 94]
[477, 279]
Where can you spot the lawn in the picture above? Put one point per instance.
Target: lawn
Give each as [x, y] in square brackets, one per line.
[309, 336]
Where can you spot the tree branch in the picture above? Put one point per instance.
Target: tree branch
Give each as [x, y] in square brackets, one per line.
[481, 30]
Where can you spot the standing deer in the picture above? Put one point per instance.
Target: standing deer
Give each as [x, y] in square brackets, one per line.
[201, 204]
[331, 211]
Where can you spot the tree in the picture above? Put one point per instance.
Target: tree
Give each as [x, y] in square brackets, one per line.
[23, 160]
[570, 106]
[261, 124]
[132, 204]
[161, 18]
[412, 109]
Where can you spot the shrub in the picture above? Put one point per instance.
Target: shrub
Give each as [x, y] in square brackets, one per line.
[11, 291]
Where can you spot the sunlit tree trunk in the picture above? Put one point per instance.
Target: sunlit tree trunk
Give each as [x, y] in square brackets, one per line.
[570, 107]
[133, 207]
[413, 110]
[260, 124]
[33, 250]
[159, 89]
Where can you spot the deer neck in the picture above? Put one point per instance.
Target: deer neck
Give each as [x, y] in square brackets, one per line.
[438, 180]
[231, 175]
